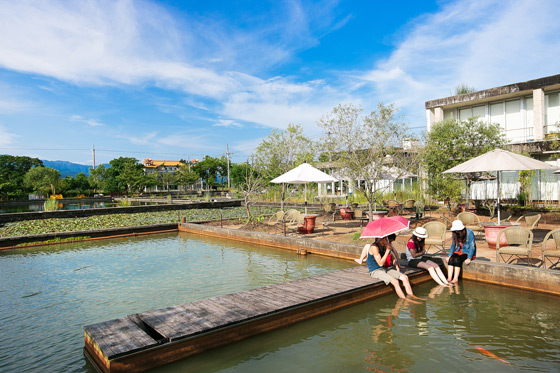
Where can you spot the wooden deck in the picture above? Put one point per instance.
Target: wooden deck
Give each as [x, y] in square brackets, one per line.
[142, 341]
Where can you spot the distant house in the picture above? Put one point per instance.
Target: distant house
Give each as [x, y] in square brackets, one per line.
[161, 167]
[529, 114]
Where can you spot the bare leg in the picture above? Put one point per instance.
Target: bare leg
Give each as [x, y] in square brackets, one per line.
[456, 277]
[438, 272]
[450, 273]
[431, 271]
[363, 255]
[398, 289]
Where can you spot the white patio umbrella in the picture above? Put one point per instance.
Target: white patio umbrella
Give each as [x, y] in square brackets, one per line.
[499, 160]
[303, 174]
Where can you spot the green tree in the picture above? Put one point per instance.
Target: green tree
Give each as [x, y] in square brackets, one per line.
[74, 186]
[186, 175]
[369, 147]
[97, 177]
[283, 150]
[42, 179]
[452, 142]
[210, 169]
[12, 172]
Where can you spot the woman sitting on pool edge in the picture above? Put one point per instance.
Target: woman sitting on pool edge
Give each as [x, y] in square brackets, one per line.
[376, 257]
[415, 256]
[462, 250]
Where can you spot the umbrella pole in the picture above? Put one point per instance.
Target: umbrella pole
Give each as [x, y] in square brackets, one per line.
[499, 173]
[305, 196]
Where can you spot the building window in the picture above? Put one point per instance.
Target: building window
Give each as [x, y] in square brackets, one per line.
[552, 112]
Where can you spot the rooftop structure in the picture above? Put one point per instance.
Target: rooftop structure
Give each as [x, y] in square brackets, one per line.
[527, 111]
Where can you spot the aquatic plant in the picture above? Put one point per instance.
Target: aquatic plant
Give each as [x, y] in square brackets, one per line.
[51, 205]
[32, 227]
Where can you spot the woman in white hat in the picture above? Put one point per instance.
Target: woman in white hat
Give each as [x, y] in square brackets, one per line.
[462, 250]
[415, 251]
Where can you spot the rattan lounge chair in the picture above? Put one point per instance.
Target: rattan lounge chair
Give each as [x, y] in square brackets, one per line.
[555, 252]
[276, 220]
[519, 244]
[471, 221]
[436, 236]
[531, 220]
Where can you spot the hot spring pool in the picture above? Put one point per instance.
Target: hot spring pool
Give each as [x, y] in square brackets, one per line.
[49, 294]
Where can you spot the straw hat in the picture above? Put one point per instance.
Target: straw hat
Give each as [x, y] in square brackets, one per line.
[457, 225]
[420, 232]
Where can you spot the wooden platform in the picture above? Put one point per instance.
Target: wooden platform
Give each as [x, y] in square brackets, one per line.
[142, 341]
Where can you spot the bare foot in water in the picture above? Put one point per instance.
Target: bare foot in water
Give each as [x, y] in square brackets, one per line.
[358, 261]
[412, 301]
[412, 296]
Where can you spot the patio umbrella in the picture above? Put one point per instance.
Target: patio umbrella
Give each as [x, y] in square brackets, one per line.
[384, 227]
[499, 160]
[303, 174]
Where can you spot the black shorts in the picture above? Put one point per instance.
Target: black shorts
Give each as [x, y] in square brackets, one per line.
[457, 260]
[413, 263]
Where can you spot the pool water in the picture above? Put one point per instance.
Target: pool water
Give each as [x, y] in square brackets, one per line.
[40, 206]
[454, 330]
[48, 294]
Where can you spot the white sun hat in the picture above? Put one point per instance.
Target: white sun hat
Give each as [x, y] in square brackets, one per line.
[420, 232]
[457, 225]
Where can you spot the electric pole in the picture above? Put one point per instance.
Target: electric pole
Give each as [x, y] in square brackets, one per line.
[227, 157]
[93, 152]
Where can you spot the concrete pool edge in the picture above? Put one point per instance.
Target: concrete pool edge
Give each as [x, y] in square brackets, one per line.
[517, 276]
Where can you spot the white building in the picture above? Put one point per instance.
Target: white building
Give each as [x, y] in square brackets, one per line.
[528, 112]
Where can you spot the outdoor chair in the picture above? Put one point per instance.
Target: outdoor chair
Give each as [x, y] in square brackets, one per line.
[330, 209]
[436, 236]
[504, 217]
[471, 221]
[359, 215]
[408, 206]
[554, 253]
[291, 215]
[531, 220]
[394, 206]
[519, 244]
[296, 223]
[276, 220]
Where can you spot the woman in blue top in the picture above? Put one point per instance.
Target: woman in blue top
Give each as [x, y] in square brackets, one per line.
[377, 254]
[462, 250]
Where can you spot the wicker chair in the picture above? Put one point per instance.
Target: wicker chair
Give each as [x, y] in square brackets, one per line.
[555, 253]
[291, 215]
[436, 236]
[276, 220]
[519, 244]
[359, 215]
[531, 220]
[471, 221]
[504, 217]
[408, 205]
[299, 221]
[395, 206]
[330, 209]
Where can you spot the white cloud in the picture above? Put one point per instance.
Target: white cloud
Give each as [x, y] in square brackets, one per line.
[7, 139]
[88, 121]
[478, 42]
[227, 123]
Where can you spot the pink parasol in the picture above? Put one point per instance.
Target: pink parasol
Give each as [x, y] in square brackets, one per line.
[384, 227]
[402, 219]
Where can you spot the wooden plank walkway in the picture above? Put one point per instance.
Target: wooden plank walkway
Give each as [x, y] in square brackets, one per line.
[142, 341]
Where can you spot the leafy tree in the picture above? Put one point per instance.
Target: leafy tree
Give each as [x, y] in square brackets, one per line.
[12, 172]
[186, 175]
[97, 177]
[210, 168]
[452, 142]
[76, 185]
[283, 150]
[42, 179]
[252, 183]
[368, 147]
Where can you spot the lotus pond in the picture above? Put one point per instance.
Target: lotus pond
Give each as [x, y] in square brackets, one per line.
[31, 227]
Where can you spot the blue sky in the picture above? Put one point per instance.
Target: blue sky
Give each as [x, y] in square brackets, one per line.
[181, 79]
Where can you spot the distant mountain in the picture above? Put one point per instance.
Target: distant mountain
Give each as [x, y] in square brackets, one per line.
[67, 168]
